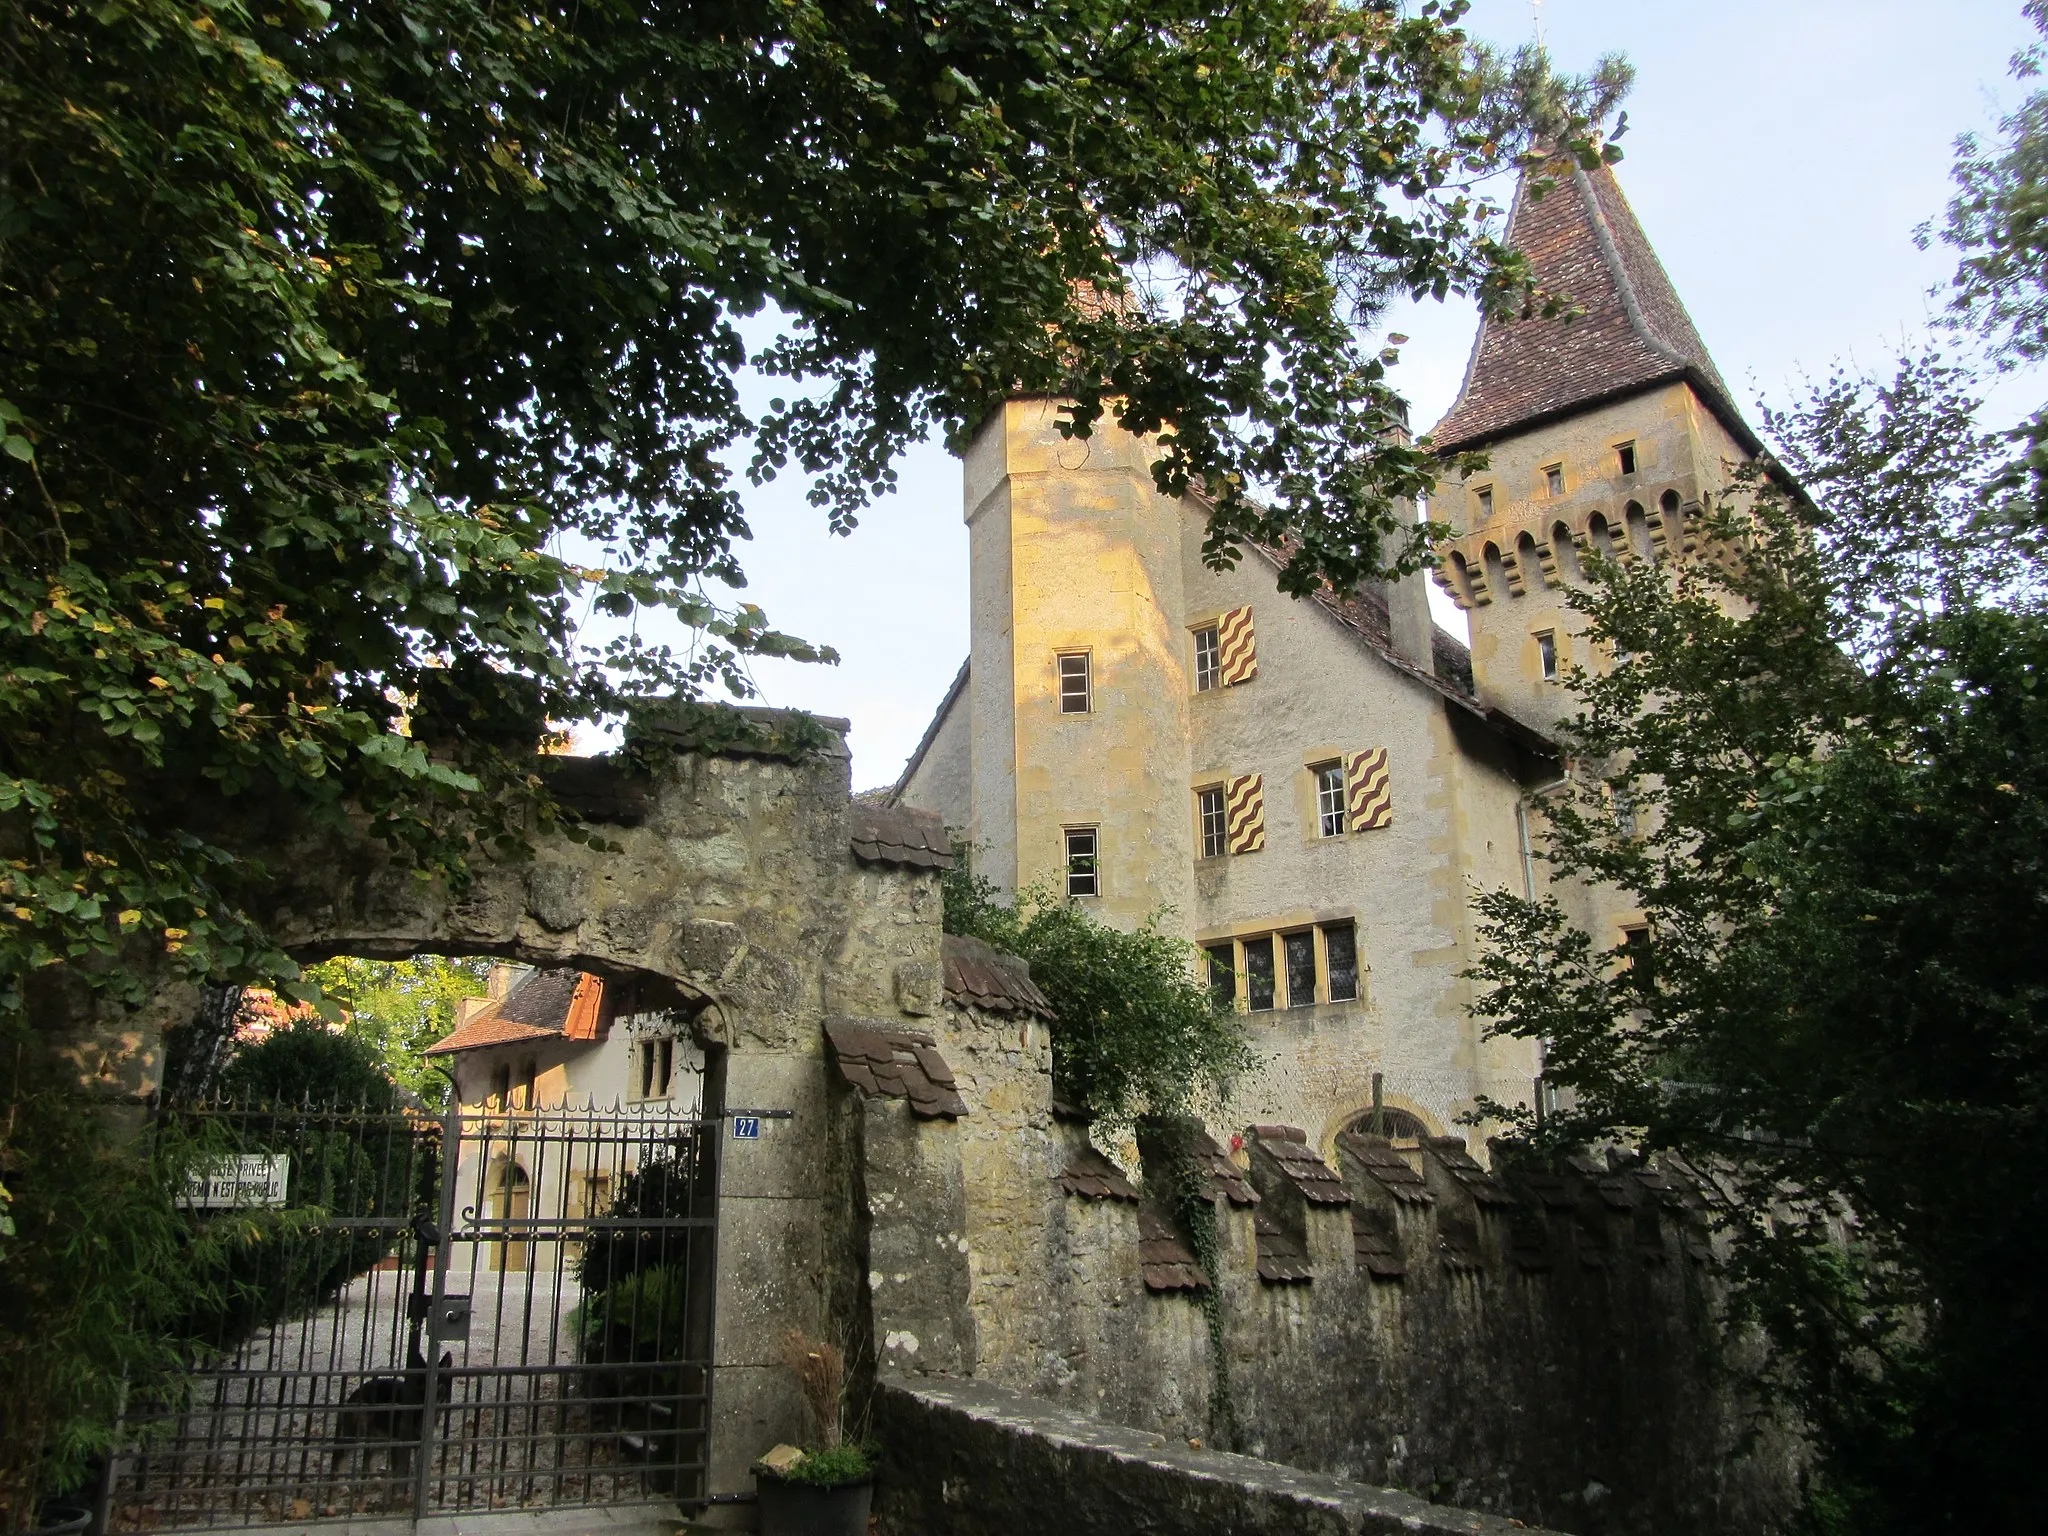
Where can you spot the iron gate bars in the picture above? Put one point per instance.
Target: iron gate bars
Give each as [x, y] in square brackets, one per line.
[431, 1314]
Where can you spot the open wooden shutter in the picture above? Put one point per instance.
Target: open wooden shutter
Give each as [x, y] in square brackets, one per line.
[1244, 813]
[1369, 789]
[1237, 659]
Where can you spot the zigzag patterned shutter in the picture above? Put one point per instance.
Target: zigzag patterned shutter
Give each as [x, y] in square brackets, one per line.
[1237, 659]
[1244, 813]
[1369, 789]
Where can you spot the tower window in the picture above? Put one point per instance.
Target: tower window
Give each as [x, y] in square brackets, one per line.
[1485, 498]
[1209, 812]
[1546, 656]
[1330, 800]
[1340, 956]
[1301, 968]
[1075, 694]
[1208, 660]
[1258, 973]
[1627, 454]
[1082, 870]
[1222, 975]
[1553, 479]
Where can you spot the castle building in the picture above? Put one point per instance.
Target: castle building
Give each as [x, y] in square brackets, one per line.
[1315, 790]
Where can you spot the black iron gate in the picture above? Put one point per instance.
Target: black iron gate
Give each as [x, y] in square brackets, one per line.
[429, 1315]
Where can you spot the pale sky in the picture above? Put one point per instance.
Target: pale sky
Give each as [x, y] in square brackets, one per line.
[1779, 153]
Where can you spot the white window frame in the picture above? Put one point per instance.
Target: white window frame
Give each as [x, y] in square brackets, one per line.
[1330, 799]
[1212, 822]
[1546, 655]
[1070, 841]
[1085, 674]
[1208, 659]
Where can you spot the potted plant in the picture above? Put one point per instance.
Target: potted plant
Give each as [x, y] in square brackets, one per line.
[824, 1490]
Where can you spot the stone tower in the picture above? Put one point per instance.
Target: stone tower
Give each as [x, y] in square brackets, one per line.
[1602, 431]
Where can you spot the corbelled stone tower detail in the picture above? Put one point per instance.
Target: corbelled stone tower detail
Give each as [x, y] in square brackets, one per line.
[1603, 429]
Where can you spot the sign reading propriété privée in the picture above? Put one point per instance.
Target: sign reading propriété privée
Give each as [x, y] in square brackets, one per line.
[247, 1178]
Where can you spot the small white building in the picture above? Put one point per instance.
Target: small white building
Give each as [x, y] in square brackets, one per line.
[565, 1081]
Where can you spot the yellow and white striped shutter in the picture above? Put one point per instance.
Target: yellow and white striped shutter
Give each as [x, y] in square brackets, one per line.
[1244, 813]
[1237, 659]
[1369, 789]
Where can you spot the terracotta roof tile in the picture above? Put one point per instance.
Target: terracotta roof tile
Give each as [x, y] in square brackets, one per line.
[1220, 1175]
[1283, 1260]
[897, 1064]
[1094, 1177]
[1457, 1246]
[1288, 1146]
[1462, 1166]
[1386, 1167]
[538, 1008]
[1167, 1263]
[899, 836]
[981, 976]
[1375, 1244]
[1633, 333]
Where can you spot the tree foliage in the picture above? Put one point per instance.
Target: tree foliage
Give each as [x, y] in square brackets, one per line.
[1135, 1034]
[350, 353]
[1821, 774]
[400, 1007]
[1998, 220]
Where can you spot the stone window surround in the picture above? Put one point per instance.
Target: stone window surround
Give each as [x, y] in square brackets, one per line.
[1208, 658]
[1278, 933]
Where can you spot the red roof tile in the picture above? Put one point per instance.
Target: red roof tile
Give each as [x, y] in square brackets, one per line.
[1631, 335]
[979, 975]
[541, 1007]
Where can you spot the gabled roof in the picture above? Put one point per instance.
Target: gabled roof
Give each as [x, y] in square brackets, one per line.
[931, 733]
[1633, 333]
[542, 1005]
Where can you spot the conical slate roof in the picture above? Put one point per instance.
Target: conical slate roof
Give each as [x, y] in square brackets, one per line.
[1633, 334]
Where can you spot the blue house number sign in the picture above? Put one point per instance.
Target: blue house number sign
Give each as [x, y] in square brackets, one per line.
[746, 1127]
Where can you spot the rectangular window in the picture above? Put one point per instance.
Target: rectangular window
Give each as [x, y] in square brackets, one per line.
[1485, 498]
[1258, 972]
[1553, 479]
[1340, 954]
[657, 1067]
[1208, 661]
[1082, 872]
[529, 1094]
[1222, 975]
[1209, 812]
[501, 1087]
[1626, 453]
[1638, 957]
[1329, 799]
[1075, 696]
[1301, 968]
[1546, 656]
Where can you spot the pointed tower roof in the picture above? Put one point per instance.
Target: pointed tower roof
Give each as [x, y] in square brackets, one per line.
[1634, 334]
